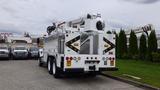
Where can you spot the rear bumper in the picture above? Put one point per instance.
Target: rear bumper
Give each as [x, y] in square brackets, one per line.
[4, 56]
[20, 56]
[82, 69]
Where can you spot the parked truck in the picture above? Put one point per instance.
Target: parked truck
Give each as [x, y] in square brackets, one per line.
[19, 52]
[19, 47]
[4, 51]
[79, 46]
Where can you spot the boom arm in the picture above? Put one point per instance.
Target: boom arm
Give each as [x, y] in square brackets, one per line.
[145, 29]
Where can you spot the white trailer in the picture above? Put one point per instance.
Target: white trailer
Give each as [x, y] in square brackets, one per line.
[80, 45]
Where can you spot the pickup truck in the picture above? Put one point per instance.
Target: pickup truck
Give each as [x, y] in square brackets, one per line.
[19, 52]
[4, 52]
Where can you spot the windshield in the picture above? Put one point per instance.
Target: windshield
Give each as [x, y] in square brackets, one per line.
[20, 48]
[3, 47]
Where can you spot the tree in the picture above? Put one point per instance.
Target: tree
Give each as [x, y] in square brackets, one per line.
[152, 44]
[122, 45]
[133, 46]
[142, 47]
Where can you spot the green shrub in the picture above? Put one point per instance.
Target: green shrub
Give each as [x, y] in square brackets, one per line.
[155, 57]
[136, 57]
[125, 56]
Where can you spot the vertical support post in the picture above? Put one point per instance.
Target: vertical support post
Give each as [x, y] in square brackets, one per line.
[91, 44]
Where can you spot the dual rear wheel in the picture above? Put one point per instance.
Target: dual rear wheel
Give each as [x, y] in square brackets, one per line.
[52, 67]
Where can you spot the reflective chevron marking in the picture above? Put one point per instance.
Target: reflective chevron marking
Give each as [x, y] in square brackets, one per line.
[109, 45]
[72, 44]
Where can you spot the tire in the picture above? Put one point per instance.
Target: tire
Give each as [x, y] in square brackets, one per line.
[49, 65]
[56, 71]
[40, 63]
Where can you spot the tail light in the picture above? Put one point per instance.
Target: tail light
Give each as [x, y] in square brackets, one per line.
[79, 58]
[112, 62]
[74, 58]
[69, 60]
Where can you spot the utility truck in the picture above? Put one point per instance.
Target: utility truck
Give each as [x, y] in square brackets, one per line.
[79, 46]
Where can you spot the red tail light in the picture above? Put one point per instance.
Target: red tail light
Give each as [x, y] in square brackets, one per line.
[67, 58]
[71, 58]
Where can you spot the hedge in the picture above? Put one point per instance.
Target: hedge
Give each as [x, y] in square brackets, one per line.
[156, 57]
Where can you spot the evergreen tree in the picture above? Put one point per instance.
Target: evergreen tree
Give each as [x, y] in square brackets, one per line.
[152, 44]
[142, 47]
[122, 45]
[133, 46]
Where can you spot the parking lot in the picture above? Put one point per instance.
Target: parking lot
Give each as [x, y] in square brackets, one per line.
[27, 75]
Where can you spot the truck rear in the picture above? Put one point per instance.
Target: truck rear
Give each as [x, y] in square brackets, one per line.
[91, 51]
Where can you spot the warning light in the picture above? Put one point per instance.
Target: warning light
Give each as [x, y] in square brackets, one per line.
[67, 58]
[112, 62]
[79, 58]
[68, 62]
[71, 58]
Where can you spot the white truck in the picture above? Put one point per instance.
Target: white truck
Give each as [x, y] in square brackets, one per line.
[4, 51]
[19, 52]
[19, 46]
[80, 45]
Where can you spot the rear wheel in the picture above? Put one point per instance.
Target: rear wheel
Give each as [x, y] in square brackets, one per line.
[56, 70]
[50, 65]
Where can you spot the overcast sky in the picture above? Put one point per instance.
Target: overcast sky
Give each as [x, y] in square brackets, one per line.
[34, 16]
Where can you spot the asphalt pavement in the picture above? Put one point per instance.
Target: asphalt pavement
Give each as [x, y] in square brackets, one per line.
[27, 75]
